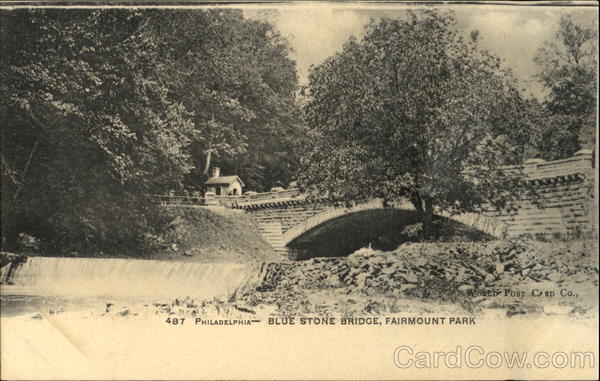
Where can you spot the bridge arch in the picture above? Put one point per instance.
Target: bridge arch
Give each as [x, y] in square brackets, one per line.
[332, 213]
[291, 223]
[367, 222]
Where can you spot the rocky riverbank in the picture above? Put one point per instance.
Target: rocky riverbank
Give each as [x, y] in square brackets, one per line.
[520, 277]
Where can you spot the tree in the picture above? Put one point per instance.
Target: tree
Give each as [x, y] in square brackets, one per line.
[87, 133]
[236, 78]
[567, 69]
[413, 110]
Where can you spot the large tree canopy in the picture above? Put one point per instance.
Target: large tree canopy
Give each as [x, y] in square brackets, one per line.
[236, 78]
[567, 69]
[413, 110]
[100, 108]
[84, 126]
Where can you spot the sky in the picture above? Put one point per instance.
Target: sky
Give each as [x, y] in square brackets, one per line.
[514, 33]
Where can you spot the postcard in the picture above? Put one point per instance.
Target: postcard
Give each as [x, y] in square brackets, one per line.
[299, 190]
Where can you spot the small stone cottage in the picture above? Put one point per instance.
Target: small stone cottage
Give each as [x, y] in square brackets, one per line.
[223, 185]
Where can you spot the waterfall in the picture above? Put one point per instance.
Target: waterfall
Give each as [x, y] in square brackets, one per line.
[126, 277]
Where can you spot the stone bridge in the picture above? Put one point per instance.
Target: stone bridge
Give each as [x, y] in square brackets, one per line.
[287, 219]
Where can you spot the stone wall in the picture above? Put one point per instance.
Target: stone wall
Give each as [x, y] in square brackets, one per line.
[564, 204]
[274, 221]
[288, 215]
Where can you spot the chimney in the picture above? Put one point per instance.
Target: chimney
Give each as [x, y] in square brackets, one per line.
[216, 172]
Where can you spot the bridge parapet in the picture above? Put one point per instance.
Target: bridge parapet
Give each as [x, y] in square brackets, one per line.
[256, 200]
[563, 170]
[580, 164]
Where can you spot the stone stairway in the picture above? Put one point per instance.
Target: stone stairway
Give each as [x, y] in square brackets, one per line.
[272, 233]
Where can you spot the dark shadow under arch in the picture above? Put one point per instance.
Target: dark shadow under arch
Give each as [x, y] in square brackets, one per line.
[383, 229]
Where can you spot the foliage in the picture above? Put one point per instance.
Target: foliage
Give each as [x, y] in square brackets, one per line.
[567, 69]
[413, 110]
[235, 76]
[86, 132]
[101, 108]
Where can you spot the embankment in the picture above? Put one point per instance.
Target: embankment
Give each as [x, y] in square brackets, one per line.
[213, 235]
[190, 234]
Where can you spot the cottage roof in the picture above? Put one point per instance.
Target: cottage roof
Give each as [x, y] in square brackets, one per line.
[224, 180]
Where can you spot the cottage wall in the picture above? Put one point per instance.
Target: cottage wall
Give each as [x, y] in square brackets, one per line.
[225, 189]
[234, 188]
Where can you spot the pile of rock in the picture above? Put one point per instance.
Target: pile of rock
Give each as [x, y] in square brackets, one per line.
[414, 269]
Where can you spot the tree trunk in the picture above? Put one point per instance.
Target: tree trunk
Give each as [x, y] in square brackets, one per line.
[427, 218]
[207, 163]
